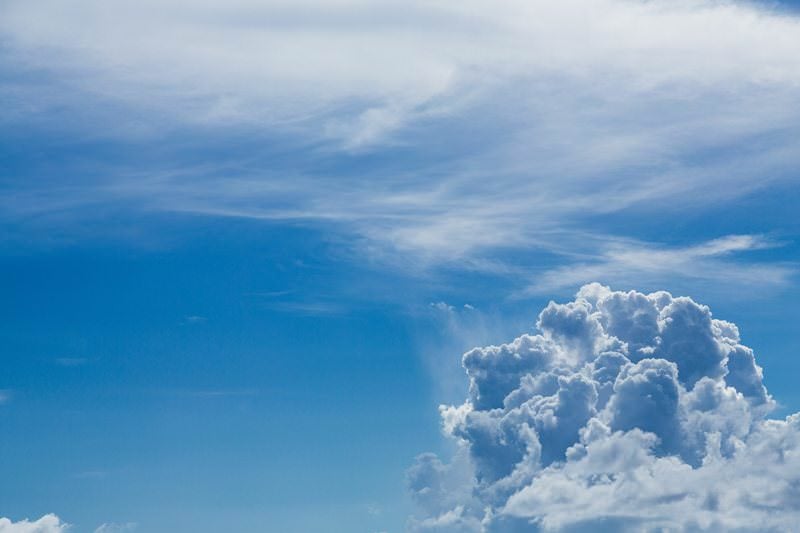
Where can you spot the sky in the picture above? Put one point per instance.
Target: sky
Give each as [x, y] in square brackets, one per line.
[246, 245]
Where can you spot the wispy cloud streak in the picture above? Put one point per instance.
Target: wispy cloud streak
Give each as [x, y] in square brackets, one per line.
[441, 132]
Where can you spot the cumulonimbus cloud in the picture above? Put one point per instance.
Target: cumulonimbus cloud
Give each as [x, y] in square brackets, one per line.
[625, 412]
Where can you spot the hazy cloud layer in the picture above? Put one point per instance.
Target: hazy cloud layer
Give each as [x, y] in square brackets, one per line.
[625, 412]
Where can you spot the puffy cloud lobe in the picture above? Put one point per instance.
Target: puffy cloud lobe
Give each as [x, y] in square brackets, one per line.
[49, 523]
[573, 326]
[646, 396]
[495, 371]
[632, 315]
[745, 376]
[688, 338]
[625, 412]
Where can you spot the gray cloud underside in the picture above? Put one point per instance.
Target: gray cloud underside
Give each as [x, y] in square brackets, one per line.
[625, 412]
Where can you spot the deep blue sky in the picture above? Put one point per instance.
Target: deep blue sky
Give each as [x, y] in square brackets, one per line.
[218, 273]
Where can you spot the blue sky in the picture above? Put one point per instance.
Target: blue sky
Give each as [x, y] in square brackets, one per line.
[243, 245]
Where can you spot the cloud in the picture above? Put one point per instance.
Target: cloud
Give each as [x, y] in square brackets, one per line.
[285, 62]
[116, 528]
[49, 523]
[622, 260]
[505, 125]
[624, 412]
[5, 396]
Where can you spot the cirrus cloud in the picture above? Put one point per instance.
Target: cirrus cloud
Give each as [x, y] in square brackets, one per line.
[499, 125]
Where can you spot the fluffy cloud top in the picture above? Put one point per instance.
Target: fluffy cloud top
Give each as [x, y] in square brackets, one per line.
[625, 412]
[49, 523]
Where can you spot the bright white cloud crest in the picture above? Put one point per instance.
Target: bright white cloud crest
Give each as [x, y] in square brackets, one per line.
[625, 412]
[49, 523]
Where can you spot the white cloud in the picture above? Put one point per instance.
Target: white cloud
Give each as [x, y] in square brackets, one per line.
[625, 412]
[618, 261]
[517, 119]
[49, 523]
[454, 328]
[288, 61]
[116, 528]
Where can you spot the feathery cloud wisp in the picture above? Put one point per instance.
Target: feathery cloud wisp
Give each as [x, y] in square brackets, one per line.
[513, 120]
[619, 261]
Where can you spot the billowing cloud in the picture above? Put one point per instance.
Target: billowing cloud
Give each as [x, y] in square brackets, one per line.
[49, 523]
[624, 412]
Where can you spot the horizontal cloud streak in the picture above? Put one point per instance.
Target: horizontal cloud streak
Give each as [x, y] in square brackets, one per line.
[710, 261]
